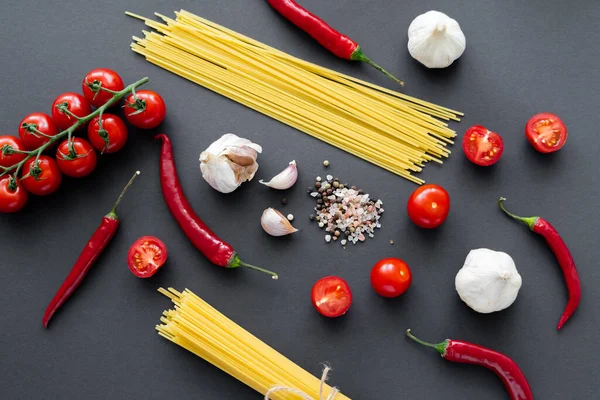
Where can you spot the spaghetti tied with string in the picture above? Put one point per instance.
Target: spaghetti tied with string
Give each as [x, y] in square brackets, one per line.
[392, 130]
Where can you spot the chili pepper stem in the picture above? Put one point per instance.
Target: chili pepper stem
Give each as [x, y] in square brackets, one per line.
[113, 213]
[529, 221]
[358, 55]
[236, 262]
[440, 347]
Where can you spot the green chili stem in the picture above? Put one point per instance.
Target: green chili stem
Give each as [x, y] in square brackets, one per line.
[113, 212]
[529, 221]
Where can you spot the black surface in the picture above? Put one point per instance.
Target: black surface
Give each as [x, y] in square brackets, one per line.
[521, 58]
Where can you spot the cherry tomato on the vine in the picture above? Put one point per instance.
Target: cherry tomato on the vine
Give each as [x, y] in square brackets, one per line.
[113, 137]
[40, 122]
[146, 256]
[391, 277]
[428, 206]
[42, 177]
[482, 146]
[76, 159]
[13, 195]
[331, 296]
[97, 79]
[546, 132]
[147, 111]
[8, 160]
[75, 103]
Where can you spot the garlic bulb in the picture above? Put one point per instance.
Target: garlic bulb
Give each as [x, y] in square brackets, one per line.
[285, 179]
[488, 281]
[275, 223]
[229, 162]
[435, 39]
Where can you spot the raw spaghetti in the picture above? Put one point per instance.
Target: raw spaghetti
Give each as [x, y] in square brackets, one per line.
[201, 329]
[394, 131]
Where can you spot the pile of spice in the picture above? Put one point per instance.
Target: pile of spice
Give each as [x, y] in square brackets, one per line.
[346, 213]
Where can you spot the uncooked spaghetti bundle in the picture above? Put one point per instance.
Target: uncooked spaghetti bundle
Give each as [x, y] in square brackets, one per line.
[392, 130]
[198, 327]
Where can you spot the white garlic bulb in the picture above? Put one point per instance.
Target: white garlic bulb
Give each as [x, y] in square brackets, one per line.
[435, 39]
[229, 162]
[489, 281]
[285, 179]
[275, 223]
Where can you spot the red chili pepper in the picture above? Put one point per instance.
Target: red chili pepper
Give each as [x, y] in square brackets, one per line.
[337, 43]
[216, 250]
[542, 227]
[468, 353]
[88, 256]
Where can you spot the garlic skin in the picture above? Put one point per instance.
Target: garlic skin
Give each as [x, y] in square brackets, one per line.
[435, 39]
[285, 179]
[229, 162]
[489, 281]
[275, 223]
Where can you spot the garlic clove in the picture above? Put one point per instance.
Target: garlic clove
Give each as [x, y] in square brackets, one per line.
[435, 39]
[275, 223]
[285, 179]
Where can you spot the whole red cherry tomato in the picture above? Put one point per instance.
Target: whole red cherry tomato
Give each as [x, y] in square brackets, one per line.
[391, 277]
[546, 132]
[8, 160]
[147, 111]
[97, 79]
[13, 196]
[112, 138]
[146, 256]
[76, 159]
[482, 146]
[42, 177]
[331, 296]
[428, 206]
[75, 103]
[39, 122]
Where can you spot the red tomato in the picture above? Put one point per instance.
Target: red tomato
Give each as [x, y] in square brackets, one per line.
[331, 296]
[428, 206]
[482, 146]
[41, 178]
[146, 256]
[40, 122]
[13, 196]
[391, 277]
[75, 103]
[97, 79]
[114, 136]
[147, 112]
[77, 159]
[546, 132]
[14, 143]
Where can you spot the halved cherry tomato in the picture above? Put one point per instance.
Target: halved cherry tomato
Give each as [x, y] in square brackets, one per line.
[147, 111]
[42, 177]
[331, 296]
[482, 146]
[14, 143]
[13, 195]
[75, 103]
[546, 132]
[36, 122]
[76, 159]
[114, 136]
[146, 256]
[97, 79]
[391, 277]
[428, 206]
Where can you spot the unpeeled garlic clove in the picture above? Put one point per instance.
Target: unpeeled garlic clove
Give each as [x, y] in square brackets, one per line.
[285, 179]
[275, 223]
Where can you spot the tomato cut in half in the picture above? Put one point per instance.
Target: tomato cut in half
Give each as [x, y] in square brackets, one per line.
[146, 256]
[482, 146]
[331, 296]
[546, 132]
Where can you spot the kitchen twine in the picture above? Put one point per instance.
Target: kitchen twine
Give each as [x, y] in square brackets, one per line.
[300, 393]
